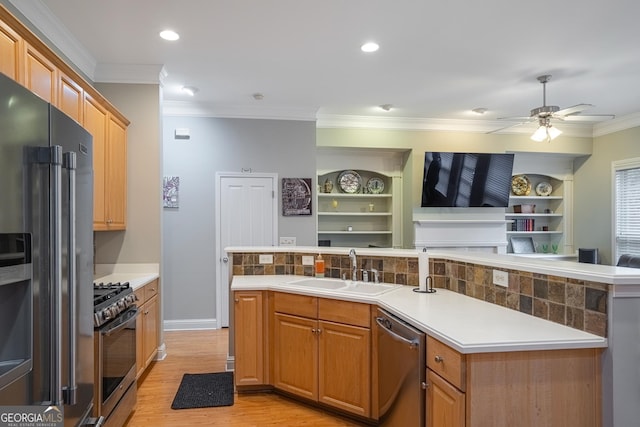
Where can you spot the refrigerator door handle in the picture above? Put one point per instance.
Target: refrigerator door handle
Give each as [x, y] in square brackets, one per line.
[71, 388]
[52, 156]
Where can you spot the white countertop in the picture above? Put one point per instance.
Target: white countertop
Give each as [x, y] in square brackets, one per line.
[464, 323]
[136, 274]
[135, 280]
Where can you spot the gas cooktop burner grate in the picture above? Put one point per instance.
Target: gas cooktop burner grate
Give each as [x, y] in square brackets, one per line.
[111, 299]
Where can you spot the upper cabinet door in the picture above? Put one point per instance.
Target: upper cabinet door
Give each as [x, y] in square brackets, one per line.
[11, 46]
[70, 97]
[116, 175]
[41, 76]
[95, 121]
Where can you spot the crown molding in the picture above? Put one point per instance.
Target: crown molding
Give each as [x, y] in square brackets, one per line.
[130, 73]
[50, 26]
[616, 125]
[452, 125]
[193, 109]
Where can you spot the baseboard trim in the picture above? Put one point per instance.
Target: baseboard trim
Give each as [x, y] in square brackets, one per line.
[190, 324]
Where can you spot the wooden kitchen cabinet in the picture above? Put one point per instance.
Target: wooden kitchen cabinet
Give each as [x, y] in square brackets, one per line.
[109, 166]
[322, 351]
[70, 97]
[445, 403]
[446, 382]
[249, 344]
[147, 326]
[529, 388]
[28, 61]
[116, 175]
[11, 45]
[40, 75]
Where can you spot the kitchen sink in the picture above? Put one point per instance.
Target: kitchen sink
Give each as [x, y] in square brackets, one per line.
[346, 286]
[368, 288]
[320, 283]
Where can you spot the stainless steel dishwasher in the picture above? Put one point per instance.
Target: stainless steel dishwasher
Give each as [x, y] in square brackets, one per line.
[401, 372]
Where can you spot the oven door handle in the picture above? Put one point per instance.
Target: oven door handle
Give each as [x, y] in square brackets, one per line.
[130, 315]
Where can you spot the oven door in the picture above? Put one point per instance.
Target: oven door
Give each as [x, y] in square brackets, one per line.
[116, 351]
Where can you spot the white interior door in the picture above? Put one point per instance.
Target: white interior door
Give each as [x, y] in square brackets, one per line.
[246, 215]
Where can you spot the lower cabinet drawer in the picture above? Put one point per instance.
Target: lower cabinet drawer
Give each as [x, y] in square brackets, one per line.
[446, 362]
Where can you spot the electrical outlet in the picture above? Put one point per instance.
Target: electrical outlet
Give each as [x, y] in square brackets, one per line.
[500, 278]
[307, 260]
[266, 259]
[287, 241]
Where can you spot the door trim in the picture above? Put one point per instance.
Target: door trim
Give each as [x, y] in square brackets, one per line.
[220, 252]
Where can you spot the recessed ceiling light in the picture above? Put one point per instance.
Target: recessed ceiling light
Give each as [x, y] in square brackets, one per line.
[169, 35]
[258, 96]
[190, 90]
[369, 47]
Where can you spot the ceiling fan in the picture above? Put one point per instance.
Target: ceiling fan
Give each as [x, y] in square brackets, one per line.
[546, 113]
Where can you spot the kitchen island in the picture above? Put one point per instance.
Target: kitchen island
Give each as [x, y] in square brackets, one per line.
[608, 314]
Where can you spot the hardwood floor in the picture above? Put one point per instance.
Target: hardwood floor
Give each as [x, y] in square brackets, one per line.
[202, 352]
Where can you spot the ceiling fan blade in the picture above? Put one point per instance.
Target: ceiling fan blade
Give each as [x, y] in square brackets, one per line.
[572, 110]
[591, 118]
[521, 118]
[511, 125]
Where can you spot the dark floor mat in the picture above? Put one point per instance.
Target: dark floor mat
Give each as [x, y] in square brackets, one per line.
[204, 390]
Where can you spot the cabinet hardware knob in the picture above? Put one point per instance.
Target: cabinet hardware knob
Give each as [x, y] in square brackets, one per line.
[439, 359]
[152, 289]
[313, 330]
[236, 300]
[146, 312]
[425, 385]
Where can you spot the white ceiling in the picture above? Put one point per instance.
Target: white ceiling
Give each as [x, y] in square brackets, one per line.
[437, 60]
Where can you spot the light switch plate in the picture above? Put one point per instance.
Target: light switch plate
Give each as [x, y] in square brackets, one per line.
[500, 278]
[307, 260]
[266, 259]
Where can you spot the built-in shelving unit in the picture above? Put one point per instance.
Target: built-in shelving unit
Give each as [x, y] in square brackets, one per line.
[542, 217]
[360, 219]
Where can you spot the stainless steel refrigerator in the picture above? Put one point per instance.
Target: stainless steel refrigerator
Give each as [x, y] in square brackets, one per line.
[46, 257]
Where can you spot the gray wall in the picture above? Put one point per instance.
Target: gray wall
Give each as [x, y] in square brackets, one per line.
[222, 145]
[593, 203]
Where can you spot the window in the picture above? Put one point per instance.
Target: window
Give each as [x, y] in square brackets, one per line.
[626, 207]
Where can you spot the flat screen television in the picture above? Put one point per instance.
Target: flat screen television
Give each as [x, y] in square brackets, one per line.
[466, 179]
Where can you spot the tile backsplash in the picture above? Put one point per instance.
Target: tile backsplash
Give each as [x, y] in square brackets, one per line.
[578, 304]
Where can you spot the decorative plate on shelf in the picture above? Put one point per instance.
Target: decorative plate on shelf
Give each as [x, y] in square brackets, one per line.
[375, 185]
[349, 181]
[544, 189]
[520, 185]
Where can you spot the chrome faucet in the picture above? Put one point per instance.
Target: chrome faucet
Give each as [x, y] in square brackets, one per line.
[376, 275]
[354, 265]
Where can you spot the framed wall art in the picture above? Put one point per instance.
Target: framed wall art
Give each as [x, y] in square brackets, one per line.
[296, 196]
[170, 191]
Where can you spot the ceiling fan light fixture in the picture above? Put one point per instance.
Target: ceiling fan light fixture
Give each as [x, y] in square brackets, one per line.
[546, 132]
[386, 107]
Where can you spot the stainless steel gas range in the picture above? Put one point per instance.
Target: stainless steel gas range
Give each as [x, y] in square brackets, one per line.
[115, 314]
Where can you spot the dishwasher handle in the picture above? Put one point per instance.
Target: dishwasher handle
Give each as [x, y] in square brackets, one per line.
[386, 326]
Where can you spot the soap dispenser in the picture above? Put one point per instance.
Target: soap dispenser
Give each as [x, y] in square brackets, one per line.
[319, 266]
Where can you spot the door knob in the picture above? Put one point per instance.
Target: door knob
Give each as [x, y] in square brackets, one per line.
[225, 260]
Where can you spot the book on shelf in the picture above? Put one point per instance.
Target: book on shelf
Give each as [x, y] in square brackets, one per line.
[523, 224]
